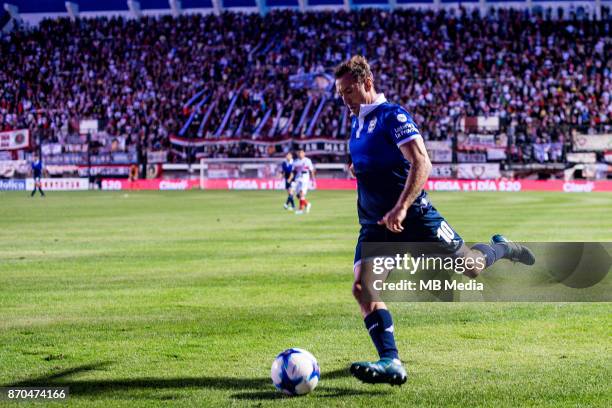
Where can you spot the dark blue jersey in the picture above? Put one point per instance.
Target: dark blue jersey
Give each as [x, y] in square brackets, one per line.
[380, 166]
[286, 169]
[37, 169]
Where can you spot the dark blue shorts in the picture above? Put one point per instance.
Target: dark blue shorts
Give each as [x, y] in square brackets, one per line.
[427, 227]
[287, 184]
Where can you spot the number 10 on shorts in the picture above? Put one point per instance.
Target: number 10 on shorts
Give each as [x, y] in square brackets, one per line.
[445, 232]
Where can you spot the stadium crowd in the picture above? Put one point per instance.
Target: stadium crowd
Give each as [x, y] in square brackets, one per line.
[541, 77]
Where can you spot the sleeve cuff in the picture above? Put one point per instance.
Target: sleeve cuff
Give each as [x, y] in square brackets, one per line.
[409, 139]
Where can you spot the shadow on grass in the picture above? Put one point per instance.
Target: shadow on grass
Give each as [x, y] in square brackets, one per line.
[262, 387]
[321, 392]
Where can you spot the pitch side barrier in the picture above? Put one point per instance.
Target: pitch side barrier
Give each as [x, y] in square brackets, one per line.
[72, 184]
[47, 184]
[349, 184]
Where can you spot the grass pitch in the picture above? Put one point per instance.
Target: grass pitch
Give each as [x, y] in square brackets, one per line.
[146, 299]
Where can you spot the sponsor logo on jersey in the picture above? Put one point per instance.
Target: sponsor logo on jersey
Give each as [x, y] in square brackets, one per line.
[407, 129]
[401, 118]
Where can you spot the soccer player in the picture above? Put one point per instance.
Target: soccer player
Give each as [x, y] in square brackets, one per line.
[37, 168]
[391, 165]
[303, 171]
[286, 171]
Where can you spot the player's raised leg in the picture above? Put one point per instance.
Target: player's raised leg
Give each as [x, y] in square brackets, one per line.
[432, 227]
[499, 248]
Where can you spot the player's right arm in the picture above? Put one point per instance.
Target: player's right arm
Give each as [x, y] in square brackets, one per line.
[410, 143]
[416, 153]
[420, 168]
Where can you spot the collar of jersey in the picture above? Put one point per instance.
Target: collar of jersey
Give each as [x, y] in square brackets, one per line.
[365, 109]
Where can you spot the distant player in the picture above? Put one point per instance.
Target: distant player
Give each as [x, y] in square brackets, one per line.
[286, 171]
[304, 172]
[391, 165]
[37, 169]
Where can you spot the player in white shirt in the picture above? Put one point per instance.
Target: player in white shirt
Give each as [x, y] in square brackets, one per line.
[304, 171]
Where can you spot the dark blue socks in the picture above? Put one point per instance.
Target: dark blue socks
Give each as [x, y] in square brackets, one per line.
[492, 252]
[380, 326]
[290, 201]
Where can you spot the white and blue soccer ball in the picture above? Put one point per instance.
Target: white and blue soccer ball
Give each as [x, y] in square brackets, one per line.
[295, 372]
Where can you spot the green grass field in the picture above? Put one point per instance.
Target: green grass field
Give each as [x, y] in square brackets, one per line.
[146, 299]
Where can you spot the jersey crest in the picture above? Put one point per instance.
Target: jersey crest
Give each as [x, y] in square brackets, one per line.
[372, 125]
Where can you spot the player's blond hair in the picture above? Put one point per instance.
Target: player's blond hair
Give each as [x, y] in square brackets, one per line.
[357, 66]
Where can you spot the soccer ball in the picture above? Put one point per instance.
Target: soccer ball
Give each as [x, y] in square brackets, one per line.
[295, 372]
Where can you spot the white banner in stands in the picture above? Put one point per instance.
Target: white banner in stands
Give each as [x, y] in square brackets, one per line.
[88, 126]
[496, 153]
[598, 142]
[439, 151]
[442, 171]
[581, 157]
[60, 184]
[8, 168]
[479, 171]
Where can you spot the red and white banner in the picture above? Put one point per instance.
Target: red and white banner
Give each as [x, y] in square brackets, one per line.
[519, 185]
[276, 184]
[351, 184]
[60, 184]
[150, 184]
[315, 146]
[480, 171]
[475, 123]
[222, 184]
[15, 139]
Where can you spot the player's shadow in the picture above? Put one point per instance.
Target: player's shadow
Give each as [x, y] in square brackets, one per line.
[261, 387]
